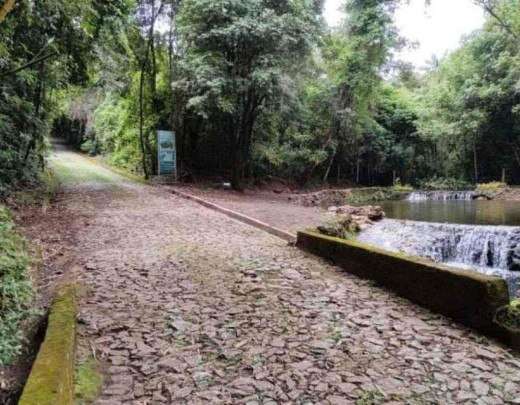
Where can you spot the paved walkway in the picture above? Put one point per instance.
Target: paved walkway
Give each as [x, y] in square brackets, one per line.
[184, 305]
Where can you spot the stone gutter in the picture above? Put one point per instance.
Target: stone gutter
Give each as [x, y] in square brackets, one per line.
[51, 381]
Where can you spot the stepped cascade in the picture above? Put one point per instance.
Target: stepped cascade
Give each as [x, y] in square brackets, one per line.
[487, 249]
[442, 196]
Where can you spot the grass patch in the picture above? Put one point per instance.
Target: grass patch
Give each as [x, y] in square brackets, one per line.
[16, 292]
[371, 398]
[402, 188]
[42, 194]
[120, 170]
[87, 382]
[70, 168]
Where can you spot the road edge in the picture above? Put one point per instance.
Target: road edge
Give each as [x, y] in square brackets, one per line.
[287, 236]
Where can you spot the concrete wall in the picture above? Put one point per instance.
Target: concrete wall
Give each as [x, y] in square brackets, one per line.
[466, 296]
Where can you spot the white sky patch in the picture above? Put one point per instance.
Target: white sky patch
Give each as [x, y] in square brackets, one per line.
[438, 28]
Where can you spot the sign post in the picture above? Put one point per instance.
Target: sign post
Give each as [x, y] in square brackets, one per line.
[167, 153]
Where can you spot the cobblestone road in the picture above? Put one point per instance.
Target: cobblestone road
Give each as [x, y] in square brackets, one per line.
[184, 305]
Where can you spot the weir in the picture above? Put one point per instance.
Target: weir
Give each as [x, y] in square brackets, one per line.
[417, 196]
[493, 250]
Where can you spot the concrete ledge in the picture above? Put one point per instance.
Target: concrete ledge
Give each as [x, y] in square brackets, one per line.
[289, 237]
[51, 380]
[466, 296]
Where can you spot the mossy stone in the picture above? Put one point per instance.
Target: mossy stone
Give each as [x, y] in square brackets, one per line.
[51, 379]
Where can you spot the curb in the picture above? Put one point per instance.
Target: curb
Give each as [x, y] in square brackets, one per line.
[468, 297]
[287, 236]
[51, 380]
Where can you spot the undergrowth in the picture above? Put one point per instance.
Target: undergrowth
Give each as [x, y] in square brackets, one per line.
[445, 184]
[402, 188]
[16, 291]
[373, 195]
[41, 193]
[494, 186]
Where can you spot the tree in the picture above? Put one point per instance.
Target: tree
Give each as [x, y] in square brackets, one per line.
[356, 57]
[468, 105]
[236, 53]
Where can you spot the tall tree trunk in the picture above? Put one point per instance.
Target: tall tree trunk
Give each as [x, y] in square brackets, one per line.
[141, 123]
[146, 149]
[244, 124]
[475, 160]
[329, 167]
[39, 98]
[358, 166]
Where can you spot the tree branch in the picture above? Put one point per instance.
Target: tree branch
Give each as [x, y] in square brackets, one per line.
[28, 65]
[490, 9]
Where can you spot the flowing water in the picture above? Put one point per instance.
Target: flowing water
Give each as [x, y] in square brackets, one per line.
[493, 250]
[441, 196]
[456, 229]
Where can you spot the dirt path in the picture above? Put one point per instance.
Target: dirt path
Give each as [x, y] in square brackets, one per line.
[185, 305]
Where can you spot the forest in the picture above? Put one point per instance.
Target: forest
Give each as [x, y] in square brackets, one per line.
[256, 90]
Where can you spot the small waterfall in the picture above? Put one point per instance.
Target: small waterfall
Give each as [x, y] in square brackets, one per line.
[418, 196]
[487, 249]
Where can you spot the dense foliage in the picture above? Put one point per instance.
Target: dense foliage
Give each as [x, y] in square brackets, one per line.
[469, 105]
[258, 88]
[45, 46]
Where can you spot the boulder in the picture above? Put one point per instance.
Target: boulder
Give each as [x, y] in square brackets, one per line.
[373, 213]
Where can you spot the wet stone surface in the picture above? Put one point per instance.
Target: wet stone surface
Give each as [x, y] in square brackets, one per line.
[185, 305]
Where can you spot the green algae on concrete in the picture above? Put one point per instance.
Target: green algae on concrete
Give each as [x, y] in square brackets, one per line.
[51, 379]
[508, 318]
[466, 296]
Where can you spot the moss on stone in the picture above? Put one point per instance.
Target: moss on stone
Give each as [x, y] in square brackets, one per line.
[51, 378]
[87, 382]
[509, 316]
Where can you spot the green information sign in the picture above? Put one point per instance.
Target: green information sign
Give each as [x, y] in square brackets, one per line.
[167, 153]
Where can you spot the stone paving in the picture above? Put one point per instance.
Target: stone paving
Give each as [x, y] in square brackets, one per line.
[186, 306]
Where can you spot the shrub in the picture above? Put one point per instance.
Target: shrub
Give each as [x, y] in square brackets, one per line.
[402, 188]
[373, 195]
[445, 183]
[493, 187]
